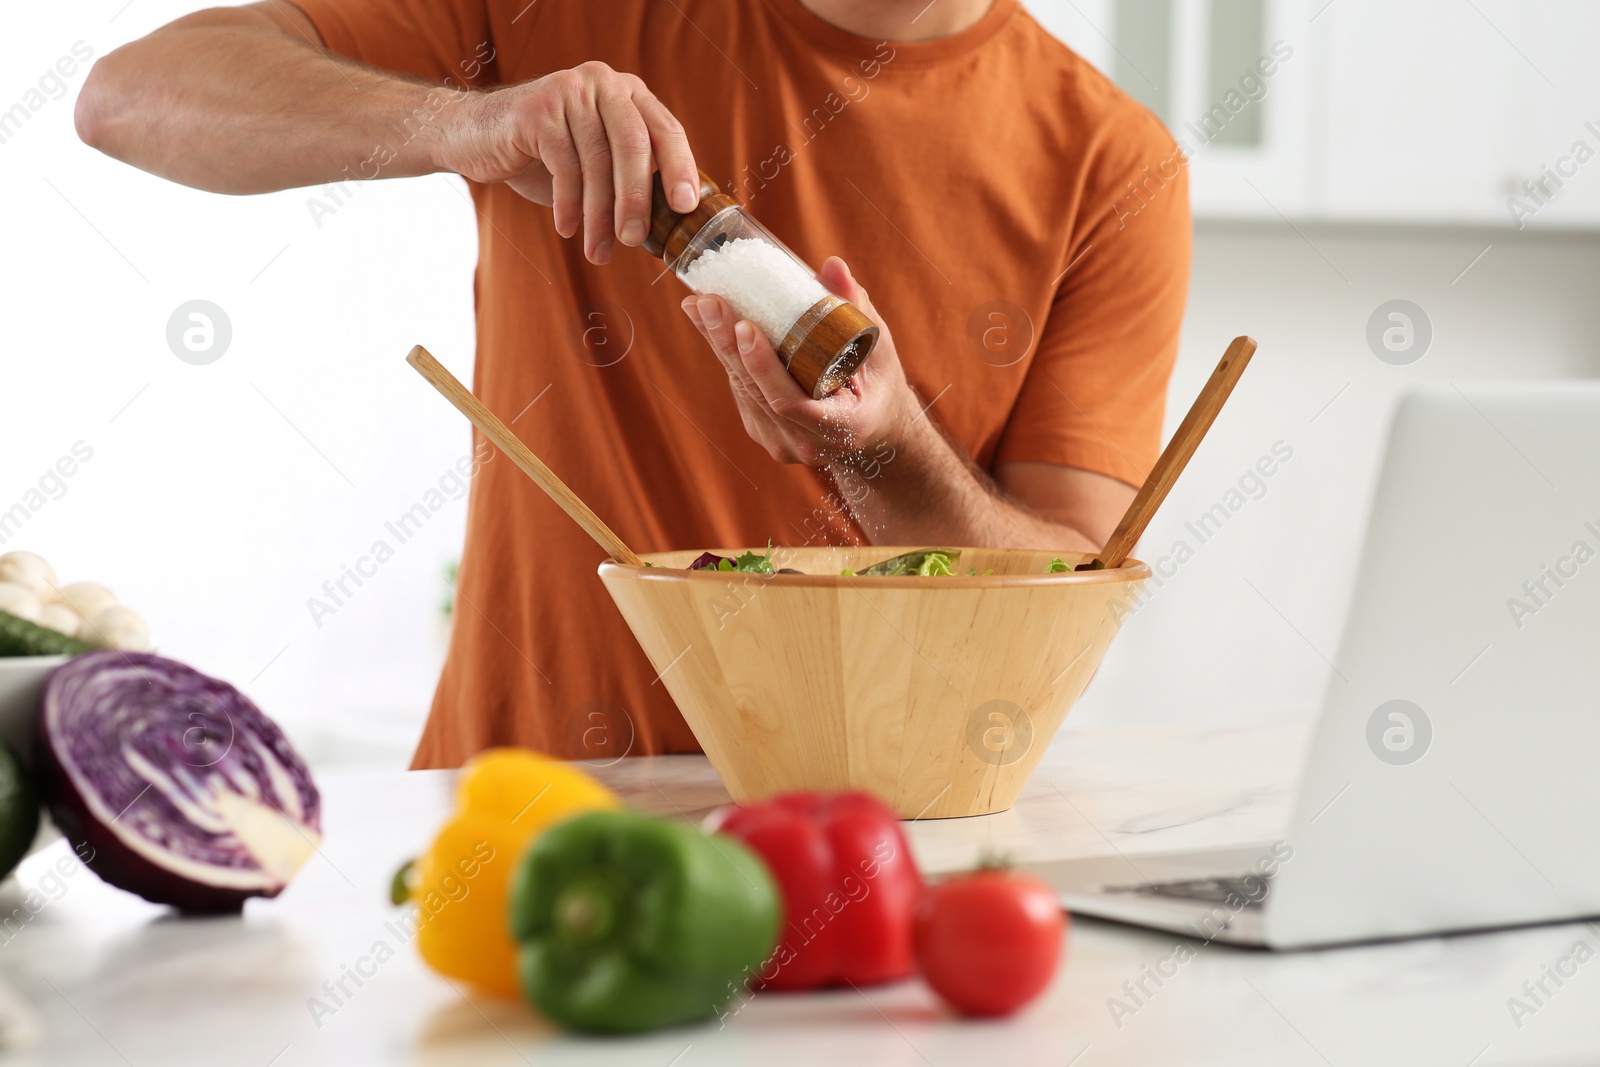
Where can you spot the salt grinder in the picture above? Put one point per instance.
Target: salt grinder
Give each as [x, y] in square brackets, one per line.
[718, 249]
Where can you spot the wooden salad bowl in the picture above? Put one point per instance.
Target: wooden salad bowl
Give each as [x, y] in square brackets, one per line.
[939, 694]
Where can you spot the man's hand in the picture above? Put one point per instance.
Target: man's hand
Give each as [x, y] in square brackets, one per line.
[195, 101]
[921, 488]
[580, 141]
[780, 415]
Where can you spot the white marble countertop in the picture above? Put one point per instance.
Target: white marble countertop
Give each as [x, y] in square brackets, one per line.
[112, 980]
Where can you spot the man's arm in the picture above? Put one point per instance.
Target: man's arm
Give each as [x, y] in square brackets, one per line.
[1087, 501]
[929, 492]
[245, 100]
[932, 493]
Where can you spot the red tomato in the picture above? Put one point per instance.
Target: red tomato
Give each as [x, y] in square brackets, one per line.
[989, 942]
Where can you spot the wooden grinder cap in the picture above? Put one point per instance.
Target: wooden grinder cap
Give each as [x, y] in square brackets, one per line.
[671, 231]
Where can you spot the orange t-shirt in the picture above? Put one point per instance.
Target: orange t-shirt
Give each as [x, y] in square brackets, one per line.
[1022, 225]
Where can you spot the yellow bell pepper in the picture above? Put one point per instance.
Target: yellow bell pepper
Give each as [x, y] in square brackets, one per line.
[505, 798]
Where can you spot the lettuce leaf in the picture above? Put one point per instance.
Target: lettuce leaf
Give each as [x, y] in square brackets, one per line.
[749, 561]
[924, 561]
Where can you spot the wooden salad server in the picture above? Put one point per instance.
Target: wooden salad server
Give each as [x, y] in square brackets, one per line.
[500, 435]
[1175, 456]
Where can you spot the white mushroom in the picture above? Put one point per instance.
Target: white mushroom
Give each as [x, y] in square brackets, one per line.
[60, 618]
[116, 627]
[19, 600]
[29, 570]
[88, 599]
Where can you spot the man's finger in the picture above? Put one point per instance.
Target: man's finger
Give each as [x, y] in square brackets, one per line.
[715, 319]
[535, 184]
[783, 394]
[629, 141]
[589, 138]
[752, 405]
[835, 276]
[555, 152]
[679, 176]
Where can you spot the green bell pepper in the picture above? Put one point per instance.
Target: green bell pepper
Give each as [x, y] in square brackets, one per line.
[629, 923]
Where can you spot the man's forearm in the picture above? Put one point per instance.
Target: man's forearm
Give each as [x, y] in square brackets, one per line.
[925, 491]
[238, 100]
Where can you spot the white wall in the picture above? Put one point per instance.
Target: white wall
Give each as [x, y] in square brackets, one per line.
[221, 497]
[1206, 645]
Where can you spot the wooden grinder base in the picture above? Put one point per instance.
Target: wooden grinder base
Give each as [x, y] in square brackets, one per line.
[824, 348]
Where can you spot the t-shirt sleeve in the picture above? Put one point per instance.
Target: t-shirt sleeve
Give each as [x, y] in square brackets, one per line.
[436, 40]
[1095, 393]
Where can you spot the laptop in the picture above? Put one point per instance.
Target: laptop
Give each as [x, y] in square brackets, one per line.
[1453, 779]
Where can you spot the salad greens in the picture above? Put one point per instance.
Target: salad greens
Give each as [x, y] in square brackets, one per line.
[924, 562]
[749, 561]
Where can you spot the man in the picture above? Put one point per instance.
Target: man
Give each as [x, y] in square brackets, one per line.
[1023, 226]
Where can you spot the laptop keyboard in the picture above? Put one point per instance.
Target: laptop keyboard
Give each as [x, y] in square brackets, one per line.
[1241, 891]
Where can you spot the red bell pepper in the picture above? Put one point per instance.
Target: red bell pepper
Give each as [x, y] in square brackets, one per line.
[850, 887]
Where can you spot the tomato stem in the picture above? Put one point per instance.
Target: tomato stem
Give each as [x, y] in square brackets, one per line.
[994, 859]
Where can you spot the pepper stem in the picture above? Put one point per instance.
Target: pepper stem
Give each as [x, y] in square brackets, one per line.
[400, 884]
[584, 912]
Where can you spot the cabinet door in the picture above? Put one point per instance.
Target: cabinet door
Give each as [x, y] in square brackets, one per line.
[1425, 107]
[1552, 177]
[1245, 105]
[1231, 79]
[1478, 112]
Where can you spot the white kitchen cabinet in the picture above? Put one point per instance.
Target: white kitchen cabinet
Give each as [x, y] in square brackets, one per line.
[1450, 112]
[1199, 65]
[1562, 37]
[1244, 91]
[1439, 111]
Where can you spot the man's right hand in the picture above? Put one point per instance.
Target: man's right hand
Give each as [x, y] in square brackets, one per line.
[581, 141]
[196, 100]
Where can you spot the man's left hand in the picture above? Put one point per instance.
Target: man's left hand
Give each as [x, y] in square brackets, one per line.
[793, 428]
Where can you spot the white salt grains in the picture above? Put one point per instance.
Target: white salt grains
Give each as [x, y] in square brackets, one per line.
[761, 282]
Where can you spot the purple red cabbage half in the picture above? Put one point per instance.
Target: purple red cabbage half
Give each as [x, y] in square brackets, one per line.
[181, 789]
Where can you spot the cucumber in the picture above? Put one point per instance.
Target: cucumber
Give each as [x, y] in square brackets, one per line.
[19, 811]
[19, 637]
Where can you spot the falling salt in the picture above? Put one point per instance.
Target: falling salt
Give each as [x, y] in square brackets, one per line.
[760, 281]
